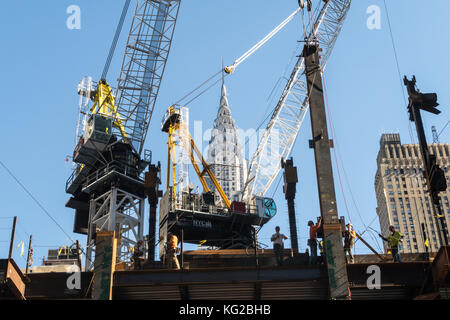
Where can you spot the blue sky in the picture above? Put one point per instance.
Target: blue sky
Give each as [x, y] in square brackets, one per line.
[42, 62]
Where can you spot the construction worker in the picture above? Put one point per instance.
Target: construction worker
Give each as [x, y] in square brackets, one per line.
[320, 260]
[172, 248]
[393, 241]
[312, 241]
[349, 242]
[278, 245]
[137, 255]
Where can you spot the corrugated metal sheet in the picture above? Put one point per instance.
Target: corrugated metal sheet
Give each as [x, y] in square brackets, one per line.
[310, 290]
[227, 291]
[444, 293]
[385, 293]
[165, 292]
[302, 290]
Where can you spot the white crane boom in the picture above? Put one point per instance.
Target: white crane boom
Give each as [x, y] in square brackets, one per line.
[287, 118]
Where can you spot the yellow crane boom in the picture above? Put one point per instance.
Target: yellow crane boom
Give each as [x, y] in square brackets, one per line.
[171, 124]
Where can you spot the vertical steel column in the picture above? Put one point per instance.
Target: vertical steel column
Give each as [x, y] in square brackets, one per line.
[429, 161]
[104, 265]
[13, 234]
[289, 189]
[79, 255]
[152, 233]
[437, 208]
[333, 247]
[88, 263]
[30, 254]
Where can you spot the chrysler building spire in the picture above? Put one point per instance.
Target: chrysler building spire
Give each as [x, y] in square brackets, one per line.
[225, 154]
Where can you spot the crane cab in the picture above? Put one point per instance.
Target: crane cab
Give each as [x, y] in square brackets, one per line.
[96, 138]
[98, 131]
[171, 117]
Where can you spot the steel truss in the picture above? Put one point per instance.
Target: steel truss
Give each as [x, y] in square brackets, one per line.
[145, 58]
[115, 210]
[287, 118]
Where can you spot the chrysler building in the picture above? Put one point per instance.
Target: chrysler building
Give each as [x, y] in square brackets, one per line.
[225, 155]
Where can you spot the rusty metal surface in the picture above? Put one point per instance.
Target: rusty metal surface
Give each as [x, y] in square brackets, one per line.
[398, 281]
[12, 279]
[53, 286]
[387, 292]
[406, 257]
[441, 266]
[290, 290]
[411, 274]
[218, 275]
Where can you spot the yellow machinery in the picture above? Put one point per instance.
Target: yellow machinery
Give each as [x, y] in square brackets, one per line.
[104, 115]
[104, 104]
[172, 123]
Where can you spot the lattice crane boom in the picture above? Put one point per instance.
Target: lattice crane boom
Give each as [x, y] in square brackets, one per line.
[287, 118]
[143, 66]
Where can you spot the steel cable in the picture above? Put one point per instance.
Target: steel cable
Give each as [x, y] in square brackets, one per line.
[116, 38]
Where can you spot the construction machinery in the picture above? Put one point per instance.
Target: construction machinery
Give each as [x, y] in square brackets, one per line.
[303, 89]
[107, 185]
[288, 115]
[208, 217]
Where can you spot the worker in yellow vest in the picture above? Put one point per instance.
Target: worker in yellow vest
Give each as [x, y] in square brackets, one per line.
[394, 240]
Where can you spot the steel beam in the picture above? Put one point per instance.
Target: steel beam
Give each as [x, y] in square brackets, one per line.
[334, 250]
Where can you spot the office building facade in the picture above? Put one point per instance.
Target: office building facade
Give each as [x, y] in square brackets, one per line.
[402, 196]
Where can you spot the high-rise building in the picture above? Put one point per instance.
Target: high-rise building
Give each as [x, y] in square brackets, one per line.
[225, 155]
[402, 196]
